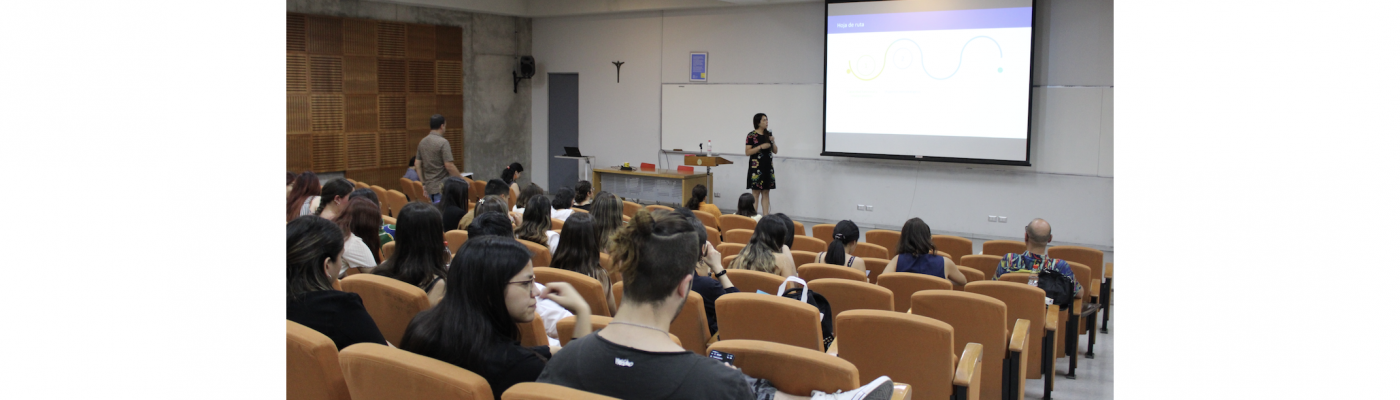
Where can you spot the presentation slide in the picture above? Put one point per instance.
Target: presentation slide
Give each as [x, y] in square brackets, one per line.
[937, 79]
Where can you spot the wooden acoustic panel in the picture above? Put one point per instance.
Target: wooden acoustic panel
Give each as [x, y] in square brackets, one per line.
[421, 42]
[360, 36]
[362, 150]
[449, 77]
[393, 41]
[454, 137]
[328, 151]
[324, 34]
[392, 76]
[411, 139]
[361, 74]
[422, 76]
[450, 106]
[391, 113]
[328, 114]
[298, 152]
[298, 113]
[327, 75]
[297, 80]
[296, 32]
[361, 113]
[392, 150]
[421, 108]
[449, 43]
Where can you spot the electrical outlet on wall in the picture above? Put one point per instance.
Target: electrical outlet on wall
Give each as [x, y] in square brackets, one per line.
[991, 218]
[860, 207]
[1001, 219]
[716, 195]
[869, 207]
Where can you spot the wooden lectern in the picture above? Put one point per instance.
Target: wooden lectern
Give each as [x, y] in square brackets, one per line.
[707, 162]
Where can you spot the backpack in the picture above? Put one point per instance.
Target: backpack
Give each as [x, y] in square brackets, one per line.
[1057, 286]
[816, 300]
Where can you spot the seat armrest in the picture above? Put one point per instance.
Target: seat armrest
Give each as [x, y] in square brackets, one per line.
[1094, 287]
[1052, 317]
[968, 365]
[832, 350]
[1078, 307]
[902, 391]
[1019, 335]
[1108, 270]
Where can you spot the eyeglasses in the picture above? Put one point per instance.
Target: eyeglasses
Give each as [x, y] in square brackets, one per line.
[526, 283]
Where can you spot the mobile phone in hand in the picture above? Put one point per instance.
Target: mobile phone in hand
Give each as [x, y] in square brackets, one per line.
[722, 356]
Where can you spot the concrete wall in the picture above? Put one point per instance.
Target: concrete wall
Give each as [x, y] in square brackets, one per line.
[1070, 183]
[498, 123]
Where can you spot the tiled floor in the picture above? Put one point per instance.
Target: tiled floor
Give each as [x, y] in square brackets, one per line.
[1094, 376]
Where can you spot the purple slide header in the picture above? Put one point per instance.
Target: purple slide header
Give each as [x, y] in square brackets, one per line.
[930, 20]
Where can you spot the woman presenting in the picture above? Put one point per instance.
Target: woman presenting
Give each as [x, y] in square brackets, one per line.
[760, 147]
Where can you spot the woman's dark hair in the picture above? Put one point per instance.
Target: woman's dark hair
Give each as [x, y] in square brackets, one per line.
[455, 191]
[746, 205]
[471, 320]
[563, 198]
[844, 233]
[508, 174]
[607, 218]
[760, 254]
[791, 228]
[310, 241]
[492, 204]
[654, 253]
[758, 118]
[527, 192]
[361, 218]
[367, 194]
[581, 191]
[411, 160]
[697, 196]
[578, 248]
[418, 247]
[915, 238]
[306, 185]
[536, 221]
[338, 187]
[492, 224]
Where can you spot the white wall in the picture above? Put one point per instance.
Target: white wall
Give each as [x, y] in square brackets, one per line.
[1070, 183]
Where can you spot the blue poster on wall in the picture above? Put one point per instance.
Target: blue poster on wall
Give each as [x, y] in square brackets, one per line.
[699, 63]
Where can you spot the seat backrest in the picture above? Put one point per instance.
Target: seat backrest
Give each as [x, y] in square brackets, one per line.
[406, 185]
[556, 224]
[539, 253]
[798, 229]
[808, 243]
[1091, 258]
[605, 261]
[740, 236]
[617, 293]
[753, 281]
[579, 210]
[884, 238]
[361, 185]
[823, 232]
[477, 191]
[565, 326]
[812, 271]
[395, 200]
[845, 294]
[313, 366]
[970, 274]
[545, 391]
[800, 257]
[629, 208]
[1083, 275]
[870, 250]
[591, 289]
[1000, 248]
[911, 349]
[728, 259]
[982, 262]
[770, 318]
[905, 284]
[391, 303]
[975, 318]
[1017, 277]
[691, 325]
[955, 246]
[729, 249]
[386, 250]
[876, 266]
[735, 221]
[712, 236]
[655, 207]
[532, 333]
[455, 238]
[379, 192]
[1022, 302]
[791, 369]
[709, 220]
[378, 372]
[418, 193]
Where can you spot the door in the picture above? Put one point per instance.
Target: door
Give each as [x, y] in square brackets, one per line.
[563, 130]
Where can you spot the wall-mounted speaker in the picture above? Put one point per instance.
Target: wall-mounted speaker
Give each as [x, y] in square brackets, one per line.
[524, 69]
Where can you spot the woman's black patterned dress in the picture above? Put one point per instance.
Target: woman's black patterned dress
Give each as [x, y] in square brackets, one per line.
[760, 175]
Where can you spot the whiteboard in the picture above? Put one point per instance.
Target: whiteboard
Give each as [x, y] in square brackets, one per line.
[694, 113]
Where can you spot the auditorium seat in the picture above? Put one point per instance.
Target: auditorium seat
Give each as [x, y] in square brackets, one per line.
[418, 194]
[396, 200]
[740, 236]
[798, 229]
[565, 326]
[1091, 258]
[955, 246]
[692, 326]
[455, 238]
[729, 222]
[629, 209]
[812, 271]
[377, 372]
[808, 243]
[617, 293]
[729, 249]
[386, 250]
[406, 185]
[980, 319]
[726, 260]
[870, 250]
[545, 391]
[1023, 302]
[845, 294]
[313, 366]
[655, 207]
[389, 220]
[769, 318]
[1001, 248]
[884, 238]
[477, 191]
[555, 224]
[823, 232]
[391, 303]
[912, 349]
[800, 257]
[1106, 300]
[712, 236]
[533, 333]
[361, 185]
[905, 284]
[1062, 318]
[791, 369]
[876, 266]
[709, 220]
[970, 274]
[592, 291]
[1081, 320]
[540, 254]
[380, 193]
[753, 281]
[982, 262]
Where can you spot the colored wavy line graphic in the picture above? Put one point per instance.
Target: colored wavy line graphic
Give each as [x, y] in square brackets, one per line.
[922, 64]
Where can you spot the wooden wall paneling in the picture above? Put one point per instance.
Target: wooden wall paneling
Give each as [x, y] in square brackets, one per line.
[392, 75]
[297, 70]
[361, 74]
[296, 32]
[328, 152]
[422, 76]
[421, 42]
[324, 35]
[361, 113]
[393, 151]
[327, 74]
[449, 43]
[328, 112]
[393, 40]
[410, 143]
[392, 112]
[450, 106]
[361, 150]
[298, 152]
[449, 77]
[454, 136]
[360, 37]
[421, 108]
[298, 113]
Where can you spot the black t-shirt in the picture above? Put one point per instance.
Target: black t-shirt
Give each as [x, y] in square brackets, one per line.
[336, 314]
[594, 364]
[507, 364]
[709, 290]
[451, 215]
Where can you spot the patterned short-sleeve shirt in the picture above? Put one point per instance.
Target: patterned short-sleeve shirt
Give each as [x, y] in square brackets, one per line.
[1034, 263]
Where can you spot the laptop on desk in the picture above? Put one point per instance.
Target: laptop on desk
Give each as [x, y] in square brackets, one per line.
[571, 152]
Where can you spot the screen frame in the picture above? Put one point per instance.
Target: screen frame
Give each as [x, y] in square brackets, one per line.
[1030, 103]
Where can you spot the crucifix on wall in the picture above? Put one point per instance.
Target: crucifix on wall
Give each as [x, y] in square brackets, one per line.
[619, 70]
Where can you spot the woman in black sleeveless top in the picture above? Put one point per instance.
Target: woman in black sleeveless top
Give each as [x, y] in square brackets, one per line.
[760, 147]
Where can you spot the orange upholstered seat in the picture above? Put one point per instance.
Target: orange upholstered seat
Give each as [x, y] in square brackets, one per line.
[808, 243]
[791, 369]
[911, 349]
[729, 249]
[1001, 248]
[709, 220]
[982, 262]
[379, 192]
[876, 266]
[975, 318]
[455, 238]
[735, 221]
[1089, 257]
[477, 191]
[565, 326]
[545, 391]
[1022, 302]
[798, 229]
[691, 326]
[905, 284]
[417, 194]
[712, 236]
[884, 238]
[391, 303]
[532, 333]
[629, 208]
[395, 200]
[800, 257]
[386, 251]
[870, 250]
[378, 372]
[823, 232]
[769, 318]
[753, 281]
[845, 294]
[818, 271]
[970, 274]
[556, 224]
[313, 366]
[539, 253]
[406, 185]
[739, 236]
[655, 207]
[955, 246]
[591, 289]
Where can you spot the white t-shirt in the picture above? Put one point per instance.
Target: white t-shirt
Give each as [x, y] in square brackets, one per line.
[550, 313]
[553, 240]
[562, 215]
[357, 254]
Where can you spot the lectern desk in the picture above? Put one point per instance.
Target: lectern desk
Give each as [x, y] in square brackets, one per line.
[660, 186]
[707, 162]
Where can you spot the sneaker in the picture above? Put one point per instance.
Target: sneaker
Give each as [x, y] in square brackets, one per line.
[881, 389]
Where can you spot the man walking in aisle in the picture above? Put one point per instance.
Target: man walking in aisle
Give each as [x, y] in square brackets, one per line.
[434, 163]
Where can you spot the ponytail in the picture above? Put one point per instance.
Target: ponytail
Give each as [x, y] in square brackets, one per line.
[626, 246]
[844, 233]
[835, 253]
[697, 196]
[335, 188]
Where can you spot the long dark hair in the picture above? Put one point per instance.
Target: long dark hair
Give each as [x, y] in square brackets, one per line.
[758, 119]
[471, 319]
[338, 187]
[454, 194]
[536, 221]
[306, 185]
[915, 238]
[787, 223]
[508, 174]
[654, 253]
[607, 217]
[526, 193]
[582, 190]
[310, 241]
[578, 248]
[418, 247]
[760, 253]
[746, 205]
[844, 233]
[361, 218]
[697, 196]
